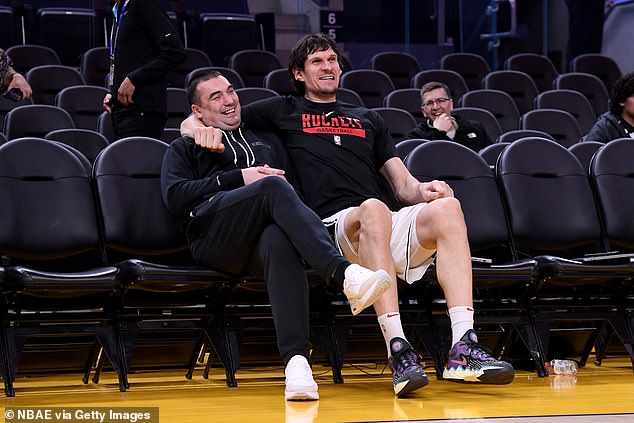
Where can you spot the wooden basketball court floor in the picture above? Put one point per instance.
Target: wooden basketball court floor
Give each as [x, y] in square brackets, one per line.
[595, 394]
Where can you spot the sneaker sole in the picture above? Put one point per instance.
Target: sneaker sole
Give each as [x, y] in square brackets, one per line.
[489, 377]
[371, 295]
[411, 386]
[301, 395]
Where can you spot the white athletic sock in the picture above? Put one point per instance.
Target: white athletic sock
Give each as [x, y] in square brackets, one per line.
[391, 327]
[461, 321]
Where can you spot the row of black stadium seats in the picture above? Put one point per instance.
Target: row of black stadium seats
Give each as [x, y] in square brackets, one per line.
[79, 107]
[71, 29]
[65, 253]
[523, 79]
[549, 229]
[563, 126]
[580, 94]
[583, 151]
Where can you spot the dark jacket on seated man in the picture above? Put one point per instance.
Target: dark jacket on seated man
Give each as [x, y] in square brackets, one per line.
[469, 133]
[609, 127]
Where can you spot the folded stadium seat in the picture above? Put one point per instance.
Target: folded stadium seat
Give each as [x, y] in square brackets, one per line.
[404, 147]
[537, 66]
[279, 81]
[399, 122]
[584, 151]
[503, 283]
[511, 136]
[232, 76]
[223, 34]
[7, 105]
[55, 284]
[581, 283]
[84, 104]
[561, 125]
[178, 107]
[8, 32]
[490, 153]
[452, 79]
[603, 67]
[497, 102]
[27, 56]
[589, 85]
[472, 67]
[163, 290]
[407, 99]
[346, 95]
[89, 143]
[170, 134]
[519, 85]
[67, 30]
[486, 118]
[48, 80]
[371, 85]
[254, 65]
[250, 94]
[572, 102]
[35, 120]
[611, 174]
[399, 66]
[194, 59]
[95, 65]
[104, 126]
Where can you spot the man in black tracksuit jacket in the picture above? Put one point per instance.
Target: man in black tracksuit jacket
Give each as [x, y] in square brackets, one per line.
[619, 121]
[241, 215]
[144, 48]
[439, 123]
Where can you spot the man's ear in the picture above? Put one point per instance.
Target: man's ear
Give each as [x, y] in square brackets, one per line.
[196, 111]
[298, 74]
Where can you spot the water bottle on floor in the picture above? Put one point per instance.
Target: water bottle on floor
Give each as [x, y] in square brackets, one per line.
[561, 367]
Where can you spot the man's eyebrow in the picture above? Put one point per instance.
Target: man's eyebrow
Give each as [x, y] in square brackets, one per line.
[230, 87]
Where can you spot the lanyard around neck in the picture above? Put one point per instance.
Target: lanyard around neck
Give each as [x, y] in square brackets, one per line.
[114, 33]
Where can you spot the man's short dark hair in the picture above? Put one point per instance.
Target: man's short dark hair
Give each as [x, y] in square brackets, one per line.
[433, 85]
[192, 87]
[304, 47]
[622, 89]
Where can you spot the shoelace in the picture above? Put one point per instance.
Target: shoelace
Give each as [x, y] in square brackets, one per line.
[480, 352]
[404, 360]
[301, 372]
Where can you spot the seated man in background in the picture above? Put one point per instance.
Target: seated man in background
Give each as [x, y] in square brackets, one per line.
[241, 214]
[439, 124]
[619, 121]
[342, 152]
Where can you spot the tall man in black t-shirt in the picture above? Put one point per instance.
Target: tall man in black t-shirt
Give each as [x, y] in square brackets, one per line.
[341, 152]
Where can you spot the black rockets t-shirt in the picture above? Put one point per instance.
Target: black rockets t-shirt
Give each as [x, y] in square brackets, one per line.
[336, 148]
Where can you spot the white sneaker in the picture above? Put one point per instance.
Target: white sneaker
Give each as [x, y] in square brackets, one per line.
[300, 384]
[363, 286]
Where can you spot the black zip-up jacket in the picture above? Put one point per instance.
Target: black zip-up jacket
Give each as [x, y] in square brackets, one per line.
[607, 128]
[147, 48]
[469, 133]
[191, 174]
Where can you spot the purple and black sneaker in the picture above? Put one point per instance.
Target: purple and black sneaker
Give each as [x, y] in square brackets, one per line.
[407, 375]
[471, 362]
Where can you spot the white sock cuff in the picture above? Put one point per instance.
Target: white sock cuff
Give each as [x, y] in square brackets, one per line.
[460, 309]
